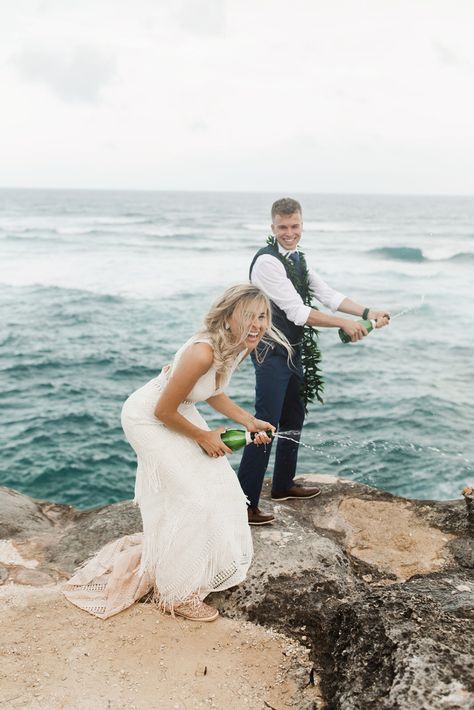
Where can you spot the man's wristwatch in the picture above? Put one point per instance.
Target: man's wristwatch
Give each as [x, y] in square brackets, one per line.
[365, 313]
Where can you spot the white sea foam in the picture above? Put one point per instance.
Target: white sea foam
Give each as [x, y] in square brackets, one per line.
[124, 274]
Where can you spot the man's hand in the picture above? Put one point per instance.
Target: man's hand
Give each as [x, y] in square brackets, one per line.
[381, 317]
[354, 329]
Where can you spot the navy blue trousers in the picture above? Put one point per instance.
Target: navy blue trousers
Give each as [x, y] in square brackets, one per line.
[278, 401]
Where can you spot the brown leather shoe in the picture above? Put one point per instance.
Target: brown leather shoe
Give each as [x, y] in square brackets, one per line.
[297, 491]
[257, 517]
[193, 609]
[196, 611]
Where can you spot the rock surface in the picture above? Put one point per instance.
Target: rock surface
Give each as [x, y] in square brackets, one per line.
[379, 588]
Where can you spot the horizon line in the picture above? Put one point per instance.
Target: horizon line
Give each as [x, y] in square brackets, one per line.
[238, 192]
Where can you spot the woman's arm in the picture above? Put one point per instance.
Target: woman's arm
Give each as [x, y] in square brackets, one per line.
[194, 362]
[223, 404]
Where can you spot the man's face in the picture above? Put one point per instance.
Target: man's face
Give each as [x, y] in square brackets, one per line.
[287, 229]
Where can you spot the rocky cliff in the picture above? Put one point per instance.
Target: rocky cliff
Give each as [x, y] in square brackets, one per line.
[379, 588]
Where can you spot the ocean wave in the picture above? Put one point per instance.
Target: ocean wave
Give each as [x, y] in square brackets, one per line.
[182, 233]
[344, 227]
[415, 254]
[30, 235]
[462, 256]
[51, 235]
[99, 222]
[136, 372]
[123, 220]
[94, 228]
[400, 253]
[63, 294]
[83, 231]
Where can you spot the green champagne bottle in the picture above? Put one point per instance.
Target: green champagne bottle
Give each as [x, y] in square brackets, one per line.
[237, 438]
[368, 325]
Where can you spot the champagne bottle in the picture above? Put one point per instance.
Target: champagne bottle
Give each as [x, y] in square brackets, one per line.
[368, 325]
[237, 438]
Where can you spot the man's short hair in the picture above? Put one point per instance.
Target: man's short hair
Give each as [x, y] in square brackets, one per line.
[287, 206]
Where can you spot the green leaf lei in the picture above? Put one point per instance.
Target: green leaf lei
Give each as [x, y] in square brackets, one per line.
[313, 384]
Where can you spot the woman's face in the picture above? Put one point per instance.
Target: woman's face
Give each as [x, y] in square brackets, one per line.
[249, 322]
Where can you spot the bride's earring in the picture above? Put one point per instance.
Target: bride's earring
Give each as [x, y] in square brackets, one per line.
[226, 326]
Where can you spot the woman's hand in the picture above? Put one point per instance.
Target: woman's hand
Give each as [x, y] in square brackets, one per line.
[212, 444]
[260, 426]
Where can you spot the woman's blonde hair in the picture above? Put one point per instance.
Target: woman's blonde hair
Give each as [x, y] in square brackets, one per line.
[216, 326]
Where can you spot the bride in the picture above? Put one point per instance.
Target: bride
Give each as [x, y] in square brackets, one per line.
[196, 538]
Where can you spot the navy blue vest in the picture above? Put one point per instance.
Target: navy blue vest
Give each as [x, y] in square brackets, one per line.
[293, 332]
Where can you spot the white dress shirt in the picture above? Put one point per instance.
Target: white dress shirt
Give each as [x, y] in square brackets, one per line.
[269, 275]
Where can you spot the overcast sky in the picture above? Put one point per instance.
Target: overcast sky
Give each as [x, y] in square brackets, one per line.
[277, 95]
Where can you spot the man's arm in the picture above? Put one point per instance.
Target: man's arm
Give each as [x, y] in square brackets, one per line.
[381, 316]
[269, 275]
[354, 329]
[316, 318]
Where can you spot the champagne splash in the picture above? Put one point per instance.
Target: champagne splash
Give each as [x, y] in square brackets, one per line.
[373, 448]
[408, 310]
[284, 435]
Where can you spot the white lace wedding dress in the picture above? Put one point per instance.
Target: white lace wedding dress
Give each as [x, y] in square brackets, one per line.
[196, 535]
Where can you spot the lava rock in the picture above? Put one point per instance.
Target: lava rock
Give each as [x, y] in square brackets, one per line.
[380, 587]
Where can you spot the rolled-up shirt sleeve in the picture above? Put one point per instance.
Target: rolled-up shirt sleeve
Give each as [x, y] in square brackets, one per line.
[326, 295]
[269, 275]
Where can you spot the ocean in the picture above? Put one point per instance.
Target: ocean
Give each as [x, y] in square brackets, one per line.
[98, 289]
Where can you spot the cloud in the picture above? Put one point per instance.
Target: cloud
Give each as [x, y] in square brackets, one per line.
[78, 74]
[199, 126]
[203, 17]
[449, 57]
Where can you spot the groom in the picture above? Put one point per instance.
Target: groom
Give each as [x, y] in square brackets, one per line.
[284, 388]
